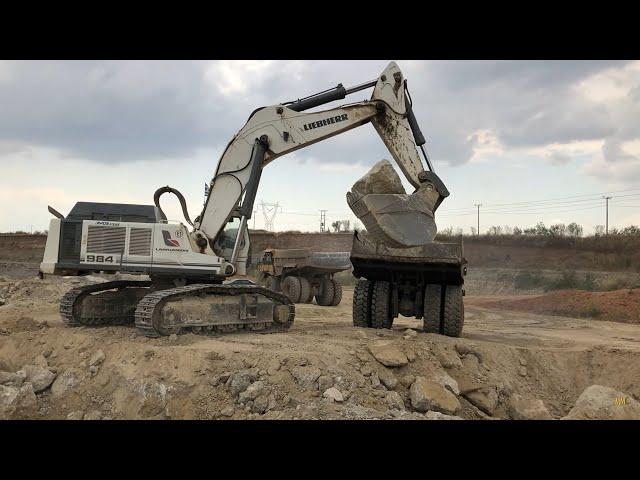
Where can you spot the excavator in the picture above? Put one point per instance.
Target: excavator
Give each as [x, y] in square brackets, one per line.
[188, 267]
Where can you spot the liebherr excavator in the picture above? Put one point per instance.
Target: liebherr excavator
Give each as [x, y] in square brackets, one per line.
[189, 267]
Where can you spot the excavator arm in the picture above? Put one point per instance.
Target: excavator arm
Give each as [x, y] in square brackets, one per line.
[273, 131]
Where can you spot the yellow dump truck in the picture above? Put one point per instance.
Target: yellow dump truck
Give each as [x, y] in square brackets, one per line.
[302, 274]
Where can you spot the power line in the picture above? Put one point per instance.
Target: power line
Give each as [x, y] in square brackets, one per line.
[607, 214]
[538, 205]
[478, 205]
[563, 201]
[549, 206]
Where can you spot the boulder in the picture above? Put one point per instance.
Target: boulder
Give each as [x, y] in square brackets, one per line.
[333, 394]
[407, 380]
[521, 408]
[485, 398]
[16, 401]
[465, 349]
[306, 376]
[381, 178]
[467, 384]
[446, 381]
[427, 395]
[8, 397]
[388, 354]
[604, 403]
[65, 382]
[252, 392]
[12, 379]
[40, 378]
[260, 404]
[97, 358]
[26, 397]
[239, 381]
[75, 415]
[387, 377]
[471, 365]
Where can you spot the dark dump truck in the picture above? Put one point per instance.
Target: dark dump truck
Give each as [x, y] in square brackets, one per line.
[302, 274]
[424, 282]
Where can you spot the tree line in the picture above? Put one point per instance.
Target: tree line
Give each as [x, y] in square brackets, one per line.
[571, 230]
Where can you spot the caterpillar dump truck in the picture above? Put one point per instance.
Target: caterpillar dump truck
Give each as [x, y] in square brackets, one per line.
[403, 271]
[189, 266]
[303, 275]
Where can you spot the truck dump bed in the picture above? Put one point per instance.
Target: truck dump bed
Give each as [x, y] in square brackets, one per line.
[303, 260]
[437, 262]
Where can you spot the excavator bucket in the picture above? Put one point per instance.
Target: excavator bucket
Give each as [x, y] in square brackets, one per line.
[389, 214]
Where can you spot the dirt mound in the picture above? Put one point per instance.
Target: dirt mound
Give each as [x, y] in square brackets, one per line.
[323, 368]
[616, 306]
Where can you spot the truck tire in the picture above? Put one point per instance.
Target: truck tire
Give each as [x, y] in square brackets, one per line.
[305, 290]
[432, 307]
[337, 296]
[291, 288]
[362, 303]
[273, 283]
[327, 293]
[380, 305]
[453, 318]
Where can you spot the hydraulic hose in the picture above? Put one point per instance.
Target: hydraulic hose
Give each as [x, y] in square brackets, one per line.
[183, 203]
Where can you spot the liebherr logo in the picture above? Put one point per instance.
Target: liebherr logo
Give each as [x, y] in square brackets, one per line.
[168, 241]
[328, 121]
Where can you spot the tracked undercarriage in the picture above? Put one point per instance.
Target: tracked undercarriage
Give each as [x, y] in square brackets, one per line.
[199, 308]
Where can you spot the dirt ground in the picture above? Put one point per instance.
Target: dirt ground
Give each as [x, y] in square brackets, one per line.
[618, 306]
[503, 358]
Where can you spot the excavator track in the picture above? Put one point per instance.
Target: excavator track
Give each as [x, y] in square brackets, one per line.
[71, 303]
[150, 322]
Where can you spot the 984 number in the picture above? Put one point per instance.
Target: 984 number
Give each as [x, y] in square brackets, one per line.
[99, 259]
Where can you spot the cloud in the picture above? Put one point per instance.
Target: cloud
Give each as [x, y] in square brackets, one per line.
[116, 112]
[620, 173]
[558, 159]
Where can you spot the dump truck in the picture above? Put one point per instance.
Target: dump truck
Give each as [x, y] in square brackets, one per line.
[302, 274]
[424, 282]
[404, 271]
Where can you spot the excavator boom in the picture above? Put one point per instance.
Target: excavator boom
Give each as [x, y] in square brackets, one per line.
[277, 130]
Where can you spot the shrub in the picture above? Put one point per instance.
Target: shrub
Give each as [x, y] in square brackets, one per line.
[526, 280]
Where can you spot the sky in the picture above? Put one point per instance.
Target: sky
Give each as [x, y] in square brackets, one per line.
[530, 141]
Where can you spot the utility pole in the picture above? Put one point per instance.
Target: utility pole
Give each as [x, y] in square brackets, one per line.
[478, 205]
[606, 228]
[323, 216]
